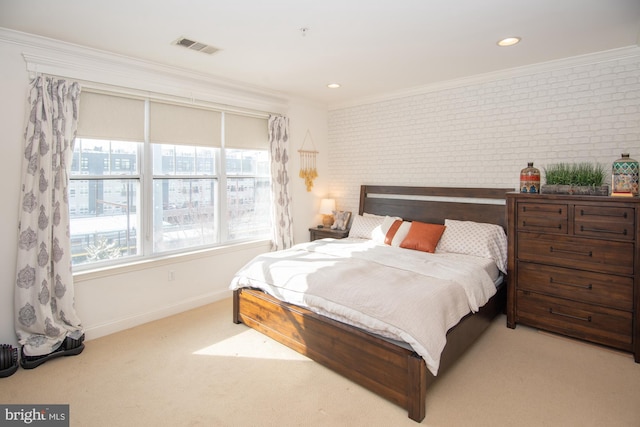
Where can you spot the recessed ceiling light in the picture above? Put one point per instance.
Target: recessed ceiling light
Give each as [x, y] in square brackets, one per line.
[333, 85]
[509, 41]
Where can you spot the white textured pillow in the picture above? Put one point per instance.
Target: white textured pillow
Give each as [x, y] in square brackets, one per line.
[367, 227]
[363, 226]
[373, 215]
[475, 238]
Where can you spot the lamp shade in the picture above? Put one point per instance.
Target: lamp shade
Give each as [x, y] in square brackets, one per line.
[327, 206]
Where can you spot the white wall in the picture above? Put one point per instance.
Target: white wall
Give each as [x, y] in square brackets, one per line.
[483, 131]
[113, 300]
[312, 118]
[12, 107]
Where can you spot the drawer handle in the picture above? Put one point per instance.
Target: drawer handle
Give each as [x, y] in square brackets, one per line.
[524, 209]
[600, 230]
[566, 251]
[559, 226]
[557, 313]
[575, 285]
[583, 213]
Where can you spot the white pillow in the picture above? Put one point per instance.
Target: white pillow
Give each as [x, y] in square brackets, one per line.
[373, 215]
[475, 238]
[367, 226]
[401, 234]
[380, 233]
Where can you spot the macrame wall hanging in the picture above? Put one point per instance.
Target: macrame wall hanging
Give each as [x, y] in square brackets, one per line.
[308, 170]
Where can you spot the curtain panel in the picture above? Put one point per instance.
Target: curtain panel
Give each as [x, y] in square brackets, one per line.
[44, 311]
[283, 222]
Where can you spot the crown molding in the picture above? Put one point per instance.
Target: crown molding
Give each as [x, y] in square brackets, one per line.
[93, 66]
[592, 58]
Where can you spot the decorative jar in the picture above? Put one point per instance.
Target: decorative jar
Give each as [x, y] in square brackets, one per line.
[530, 179]
[624, 178]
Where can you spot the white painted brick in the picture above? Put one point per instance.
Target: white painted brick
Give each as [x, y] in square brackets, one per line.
[484, 133]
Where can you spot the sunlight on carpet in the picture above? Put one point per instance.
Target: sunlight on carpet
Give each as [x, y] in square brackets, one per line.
[244, 345]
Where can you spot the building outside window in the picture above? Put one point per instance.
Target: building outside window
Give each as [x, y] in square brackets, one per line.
[185, 197]
[248, 193]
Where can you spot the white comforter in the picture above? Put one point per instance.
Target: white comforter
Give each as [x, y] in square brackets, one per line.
[402, 294]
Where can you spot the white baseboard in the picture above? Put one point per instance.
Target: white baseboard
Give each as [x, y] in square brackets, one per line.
[97, 331]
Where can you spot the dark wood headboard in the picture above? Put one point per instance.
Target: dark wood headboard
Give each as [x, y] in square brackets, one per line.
[435, 204]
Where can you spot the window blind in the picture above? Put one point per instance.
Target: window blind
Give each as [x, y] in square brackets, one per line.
[177, 124]
[110, 117]
[245, 132]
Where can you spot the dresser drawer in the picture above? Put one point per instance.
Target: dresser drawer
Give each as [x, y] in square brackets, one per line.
[590, 322]
[604, 222]
[584, 286]
[577, 253]
[543, 217]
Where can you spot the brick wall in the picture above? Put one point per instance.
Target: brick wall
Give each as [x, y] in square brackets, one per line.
[484, 133]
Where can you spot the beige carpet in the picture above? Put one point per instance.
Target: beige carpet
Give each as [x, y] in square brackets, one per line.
[199, 369]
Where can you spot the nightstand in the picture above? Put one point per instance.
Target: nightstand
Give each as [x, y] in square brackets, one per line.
[316, 233]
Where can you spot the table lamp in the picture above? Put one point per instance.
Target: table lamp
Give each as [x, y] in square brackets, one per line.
[327, 206]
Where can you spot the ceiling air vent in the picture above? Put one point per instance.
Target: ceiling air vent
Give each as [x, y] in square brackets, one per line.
[197, 46]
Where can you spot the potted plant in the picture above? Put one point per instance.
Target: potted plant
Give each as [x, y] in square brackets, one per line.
[575, 178]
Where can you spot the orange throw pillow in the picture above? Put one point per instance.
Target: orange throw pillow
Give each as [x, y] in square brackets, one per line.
[423, 237]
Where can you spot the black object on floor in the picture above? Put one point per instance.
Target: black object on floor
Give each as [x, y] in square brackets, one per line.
[8, 360]
[69, 347]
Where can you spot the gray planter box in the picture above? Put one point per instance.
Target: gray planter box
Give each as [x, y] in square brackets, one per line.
[602, 190]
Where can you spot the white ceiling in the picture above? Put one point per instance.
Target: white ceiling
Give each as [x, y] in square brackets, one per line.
[370, 47]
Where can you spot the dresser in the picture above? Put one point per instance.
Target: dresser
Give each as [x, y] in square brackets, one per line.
[574, 267]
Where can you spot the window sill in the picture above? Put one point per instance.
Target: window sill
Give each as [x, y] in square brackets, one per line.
[113, 270]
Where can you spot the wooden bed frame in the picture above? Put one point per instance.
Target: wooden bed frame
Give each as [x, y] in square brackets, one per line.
[392, 371]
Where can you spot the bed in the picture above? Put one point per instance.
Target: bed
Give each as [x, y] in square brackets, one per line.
[382, 360]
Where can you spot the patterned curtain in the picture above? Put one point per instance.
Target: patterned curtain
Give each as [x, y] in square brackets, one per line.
[283, 223]
[44, 295]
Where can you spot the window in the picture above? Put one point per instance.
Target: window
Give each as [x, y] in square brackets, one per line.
[248, 193]
[248, 178]
[103, 203]
[182, 184]
[185, 197]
